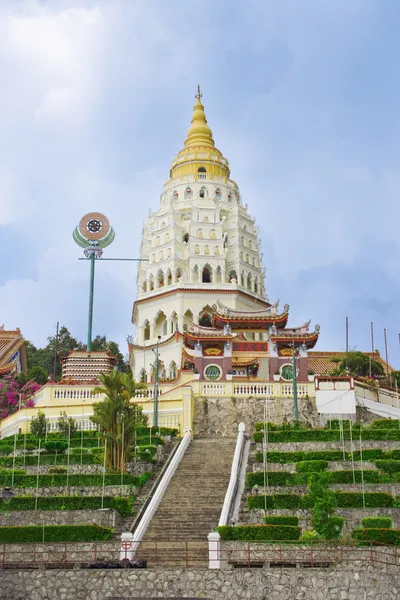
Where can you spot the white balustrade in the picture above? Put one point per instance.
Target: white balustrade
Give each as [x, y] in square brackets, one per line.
[213, 388]
[252, 389]
[287, 389]
[75, 394]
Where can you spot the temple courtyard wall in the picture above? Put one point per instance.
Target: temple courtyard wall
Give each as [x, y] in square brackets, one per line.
[238, 584]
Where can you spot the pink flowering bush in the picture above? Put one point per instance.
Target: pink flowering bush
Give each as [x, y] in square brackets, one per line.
[14, 395]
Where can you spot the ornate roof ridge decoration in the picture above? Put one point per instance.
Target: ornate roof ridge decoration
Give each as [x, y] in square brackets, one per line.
[176, 334]
[270, 311]
[211, 332]
[296, 331]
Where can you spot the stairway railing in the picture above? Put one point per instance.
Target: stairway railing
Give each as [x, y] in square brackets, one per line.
[234, 480]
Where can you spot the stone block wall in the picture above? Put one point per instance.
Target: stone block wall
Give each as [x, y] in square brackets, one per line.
[349, 583]
[103, 518]
[109, 490]
[220, 417]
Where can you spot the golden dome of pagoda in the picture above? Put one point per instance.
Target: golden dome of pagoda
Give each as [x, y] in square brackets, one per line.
[200, 157]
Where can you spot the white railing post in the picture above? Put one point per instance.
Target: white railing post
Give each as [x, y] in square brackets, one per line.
[230, 492]
[126, 546]
[214, 550]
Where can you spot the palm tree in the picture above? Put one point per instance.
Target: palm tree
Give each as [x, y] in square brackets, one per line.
[116, 417]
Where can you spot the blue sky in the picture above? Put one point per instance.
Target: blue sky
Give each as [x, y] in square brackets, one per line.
[303, 99]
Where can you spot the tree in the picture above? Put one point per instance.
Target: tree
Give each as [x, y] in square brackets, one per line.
[39, 425]
[38, 374]
[66, 425]
[100, 343]
[359, 364]
[116, 417]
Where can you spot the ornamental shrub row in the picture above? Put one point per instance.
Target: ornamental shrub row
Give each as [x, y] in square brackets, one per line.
[122, 504]
[146, 453]
[284, 478]
[263, 533]
[281, 520]
[388, 466]
[55, 533]
[376, 522]
[344, 500]
[385, 424]
[369, 454]
[311, 466]
[27, 481]
[377, 536]
[160, 431]
[326, 435]
[49, 459]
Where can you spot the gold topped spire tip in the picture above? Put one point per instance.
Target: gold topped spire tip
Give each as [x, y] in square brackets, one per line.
[199, 94]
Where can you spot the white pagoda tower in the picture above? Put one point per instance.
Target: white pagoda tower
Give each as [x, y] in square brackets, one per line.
[201, 246]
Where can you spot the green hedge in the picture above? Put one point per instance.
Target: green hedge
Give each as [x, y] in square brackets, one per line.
[284, 478]
[311, 466]
[27, 481]
[377, 536]
[122, 505]
[146, 453]
[55, 533]
[329, 455]
[161, 431]
[327, 435]
[388, 466]
[55, 446]
[333, 527]
[385, 424]
[372, 499]
[278, 520]
[271, 533]
[344, 500]
[291, 501]
[376, 522]
[49, 459]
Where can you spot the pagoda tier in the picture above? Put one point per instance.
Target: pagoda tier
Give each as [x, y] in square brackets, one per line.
[83, 366]
[295, 335]
[254, 319]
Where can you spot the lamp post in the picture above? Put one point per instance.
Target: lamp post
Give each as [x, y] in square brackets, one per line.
[156, 374]
[295, 404]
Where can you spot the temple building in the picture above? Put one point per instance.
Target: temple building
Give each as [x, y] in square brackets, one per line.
[202, 302]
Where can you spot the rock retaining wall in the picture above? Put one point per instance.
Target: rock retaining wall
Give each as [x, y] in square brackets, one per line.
[238, 584]
[109, 490]
[103, 518]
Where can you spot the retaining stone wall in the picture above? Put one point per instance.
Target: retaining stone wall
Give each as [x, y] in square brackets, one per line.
[220, 416]
[109, 490]
[73, 469]
[332, 466]
[307, 446]
[103, 518]
[238, 584]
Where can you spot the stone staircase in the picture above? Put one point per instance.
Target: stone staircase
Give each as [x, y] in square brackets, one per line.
[191, 506]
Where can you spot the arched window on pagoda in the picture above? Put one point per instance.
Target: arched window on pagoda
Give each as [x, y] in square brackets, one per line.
[188, 193]
[206, 274]
[169, 277]
[213, 234]
[144, 287]
[151, 283]
[187, 319]
[200, 234]
[201, 173]
[159, 322]
[165, 328]
[232, 275]
[249, 281]
[146, 328]
[158, 240]
[256, 285]
[203, 193]
[185, 238]
[160, 278]
[218, 275]
[205, 320]
[242, 279]
[179, 275]
[174, 322]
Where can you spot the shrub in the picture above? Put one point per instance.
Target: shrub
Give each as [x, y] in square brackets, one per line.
[272, 533]
[385, 424]
[311, 466]
[57, 470]
[278, 520]
[49, 459]
[338, 424]
[372, 499]
[347, 477]
[273, 478]
[327, 435]
[6, 449]
[376, 522]
[161, 431]
[55, 533]
[122, 504]
[388, 466]
[377, 536]
[55, 446]
[290, 501]
[26, 481]
[332, 529]
[146, 453]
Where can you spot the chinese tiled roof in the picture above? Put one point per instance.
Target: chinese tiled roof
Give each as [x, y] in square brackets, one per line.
[254, 314]
[10, 343]
[321, 362]
[199, 332]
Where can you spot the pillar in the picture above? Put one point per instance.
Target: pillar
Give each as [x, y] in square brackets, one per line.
[152, 331]
[180, 323]
[141, 335]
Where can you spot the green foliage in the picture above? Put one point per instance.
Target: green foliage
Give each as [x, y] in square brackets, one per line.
[388, 466]
[146, 453]
[263, 533]
[122, 504]
[278, 520]
[324, 504]
[285, 478]
[273, 478]
[358, 363]
[273, 501]
[67, 425]
[158, 431]
[328, 435]
[338, 424]
[332, 529]
[55, 533]
[38, 374]
[311, 466]
[385, 424]
[377, 536]
[55, 446]
[52, 480]
[39, 425]
[376, 522]
[372, 499]
[329, 455]
[49, 459]
[57, 470]
[100, 343]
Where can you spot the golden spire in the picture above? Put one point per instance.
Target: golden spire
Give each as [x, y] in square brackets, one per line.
[199, 132]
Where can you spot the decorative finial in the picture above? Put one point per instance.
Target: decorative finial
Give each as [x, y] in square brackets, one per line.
[199, 94]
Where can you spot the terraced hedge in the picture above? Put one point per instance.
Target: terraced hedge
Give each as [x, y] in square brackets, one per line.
[376, 522]
[326, 435]
[54, 480]
[55, 533]
[344, 500]
[122, 505]
[284, 478]
[262, 533]
[377, 536]
[50, 459]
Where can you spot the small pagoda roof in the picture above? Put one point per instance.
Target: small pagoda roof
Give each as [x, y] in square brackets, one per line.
[11, 342]
[300, 334]
[199, 333]
[264, 316]
[241, 361]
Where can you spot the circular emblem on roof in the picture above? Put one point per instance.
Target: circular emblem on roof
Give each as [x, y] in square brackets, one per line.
[94, 226]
